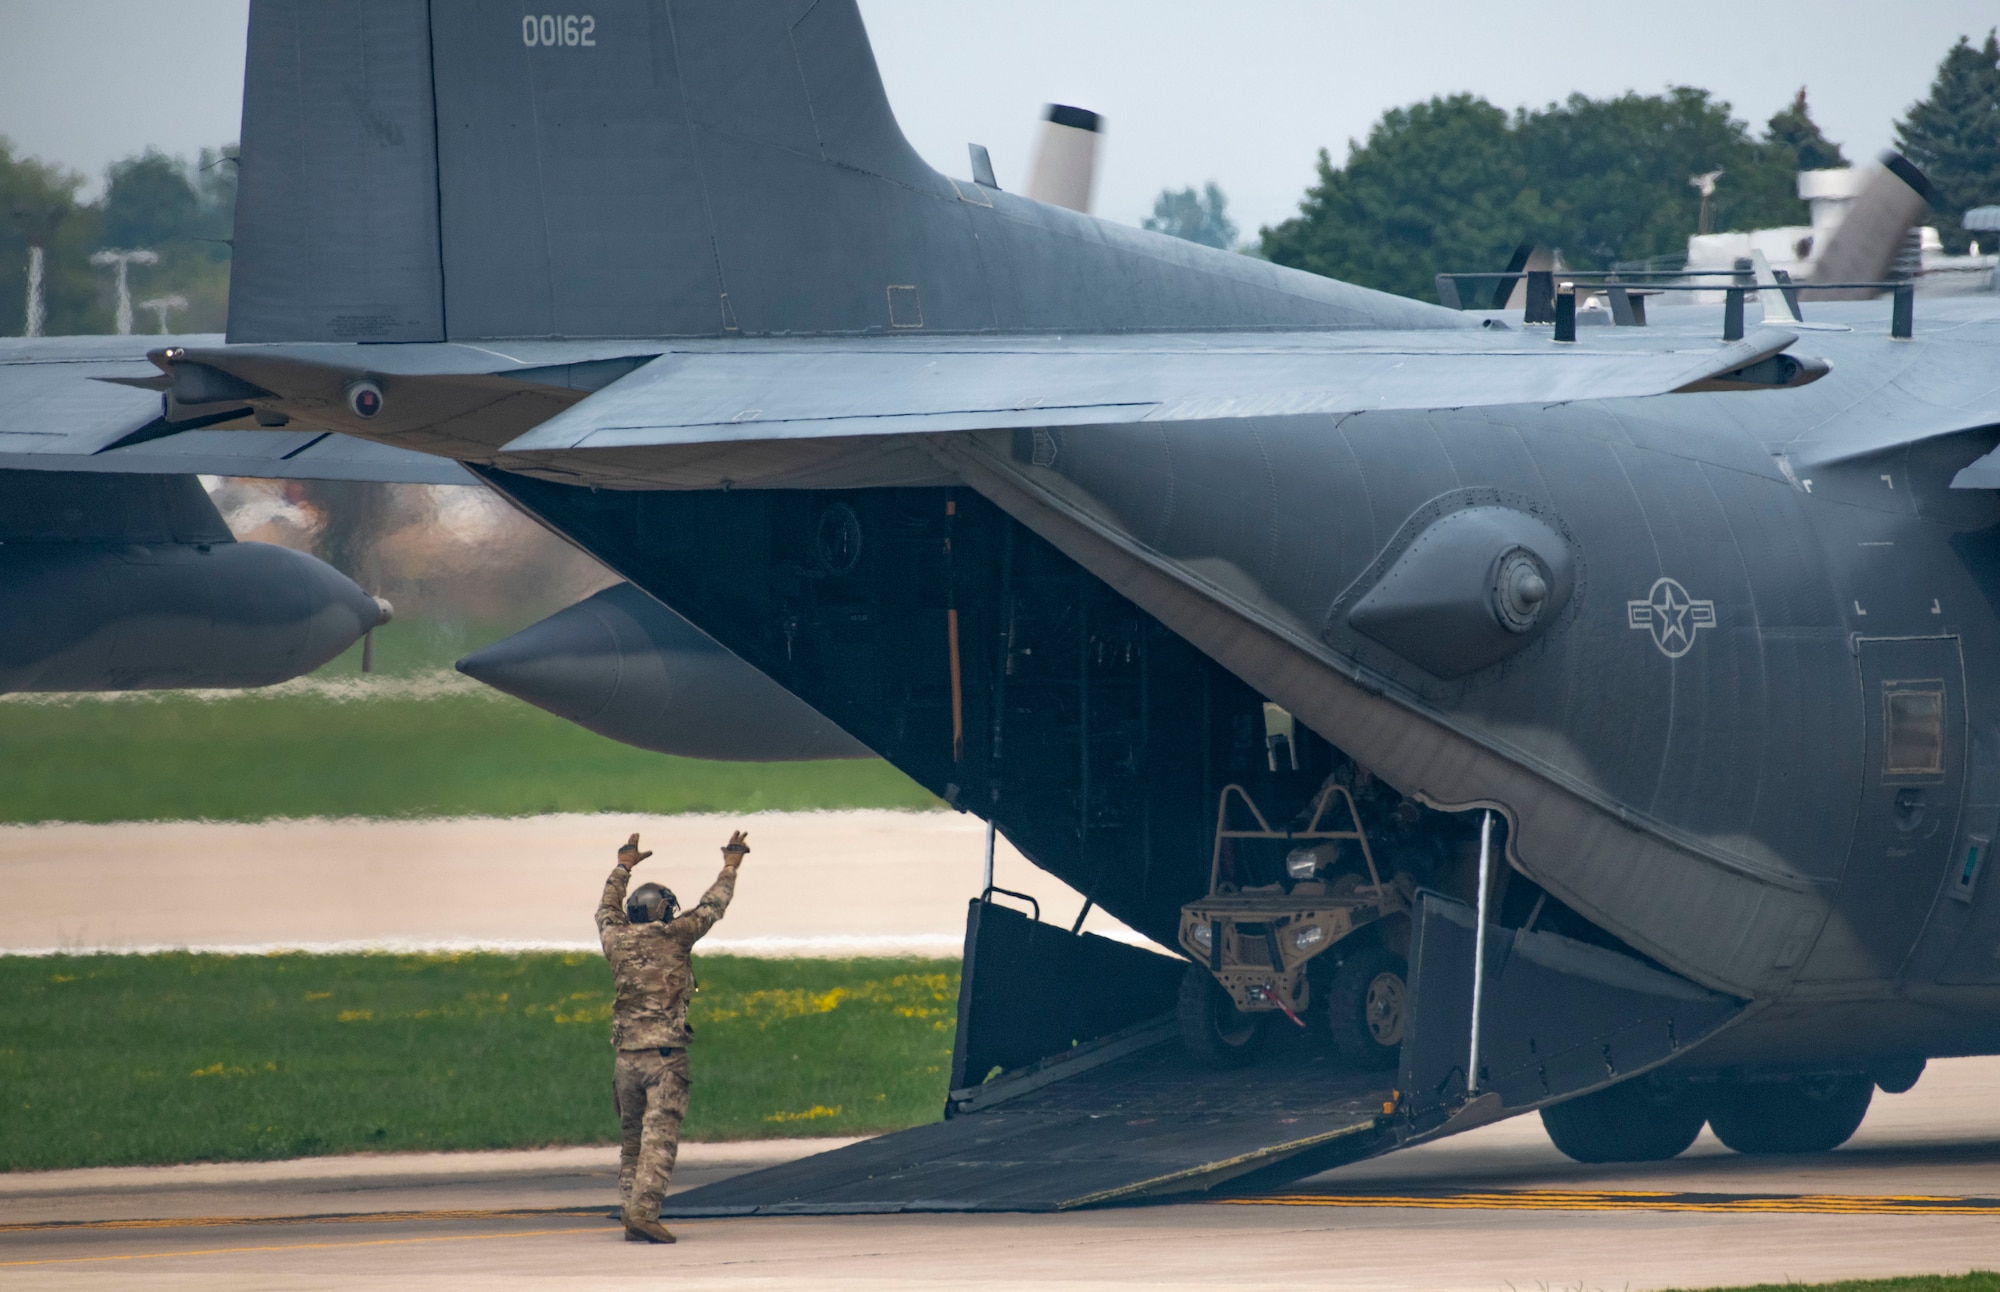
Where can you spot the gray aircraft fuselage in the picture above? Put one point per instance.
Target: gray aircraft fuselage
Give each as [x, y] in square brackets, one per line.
[1699, 754]
[1711, 709]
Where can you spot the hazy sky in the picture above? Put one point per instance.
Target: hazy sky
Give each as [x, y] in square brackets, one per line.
[1242, 93]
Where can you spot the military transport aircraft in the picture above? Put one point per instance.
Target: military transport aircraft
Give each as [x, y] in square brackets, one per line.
[1600, 720]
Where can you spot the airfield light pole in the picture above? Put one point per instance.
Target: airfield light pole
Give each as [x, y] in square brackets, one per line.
[38, 312]
[1479, 948]
[162, 305]
[124, 260]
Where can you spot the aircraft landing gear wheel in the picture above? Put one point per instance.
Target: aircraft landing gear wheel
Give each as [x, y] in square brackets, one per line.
[1366, 1007]
[1802, 1115]
[1215, 1032]
[1634, 1121]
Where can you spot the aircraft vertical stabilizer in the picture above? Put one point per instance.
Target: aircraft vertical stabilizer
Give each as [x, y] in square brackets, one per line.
[666, 168]
[336, 214]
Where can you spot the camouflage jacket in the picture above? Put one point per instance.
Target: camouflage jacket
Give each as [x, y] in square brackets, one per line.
[650, 963]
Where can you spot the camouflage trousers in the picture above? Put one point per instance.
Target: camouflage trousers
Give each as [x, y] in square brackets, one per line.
[651, 1090]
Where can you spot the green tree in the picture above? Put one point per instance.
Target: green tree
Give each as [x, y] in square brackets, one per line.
[165, 205]
[1438, 185]
[185, 214]
[1793, 127]
[215, 187]
[1455, 183]
[149, 201]
[1196, 216]
[1615, 173]
[153, 200]
[38, 208]
[1954, 134]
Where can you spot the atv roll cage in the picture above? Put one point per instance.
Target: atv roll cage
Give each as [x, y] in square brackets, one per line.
[1257, 939]
[1311, 832]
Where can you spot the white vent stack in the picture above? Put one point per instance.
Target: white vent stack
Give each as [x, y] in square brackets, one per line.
[1065, 170]
[1889, 200]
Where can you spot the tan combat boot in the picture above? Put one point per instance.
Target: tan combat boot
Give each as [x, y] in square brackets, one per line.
[646, 1231]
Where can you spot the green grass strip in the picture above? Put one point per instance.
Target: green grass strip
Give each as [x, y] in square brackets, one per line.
[114, 1060]
[1976, 1281]
[258, 757]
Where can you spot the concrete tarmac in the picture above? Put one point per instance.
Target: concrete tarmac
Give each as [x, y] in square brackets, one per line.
[1497, 1208]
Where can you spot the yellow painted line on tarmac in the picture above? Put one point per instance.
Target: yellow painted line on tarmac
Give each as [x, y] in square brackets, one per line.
[326, 1218]
[1814, 1204]
[298, 1247]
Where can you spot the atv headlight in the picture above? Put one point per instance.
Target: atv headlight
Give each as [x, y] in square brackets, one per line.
[1301, 863]
[1309, 936]
[1202, 937]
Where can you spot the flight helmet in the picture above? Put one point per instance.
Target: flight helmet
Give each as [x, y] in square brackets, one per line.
[649, 903]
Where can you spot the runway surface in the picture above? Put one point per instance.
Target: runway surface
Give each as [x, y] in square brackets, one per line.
[1916, 1191]
[818, 883]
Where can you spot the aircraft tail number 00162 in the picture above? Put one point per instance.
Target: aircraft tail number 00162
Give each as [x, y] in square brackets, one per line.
[554, 29]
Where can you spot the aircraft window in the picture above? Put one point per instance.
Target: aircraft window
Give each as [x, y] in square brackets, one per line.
[1913, 728]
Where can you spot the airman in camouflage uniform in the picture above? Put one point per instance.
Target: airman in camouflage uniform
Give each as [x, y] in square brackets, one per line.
[648, 946]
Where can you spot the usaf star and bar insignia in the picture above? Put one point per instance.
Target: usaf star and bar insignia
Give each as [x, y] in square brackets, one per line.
[1672, 617]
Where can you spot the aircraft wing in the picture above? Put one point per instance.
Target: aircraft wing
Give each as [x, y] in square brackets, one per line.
[65, 405]
[722, 392]
[848, 407]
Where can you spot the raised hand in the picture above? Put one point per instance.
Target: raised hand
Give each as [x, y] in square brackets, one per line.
[629, 855]
[736, 849]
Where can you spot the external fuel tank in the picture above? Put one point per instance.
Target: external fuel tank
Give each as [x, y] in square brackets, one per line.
[115, 582]
[625, 666]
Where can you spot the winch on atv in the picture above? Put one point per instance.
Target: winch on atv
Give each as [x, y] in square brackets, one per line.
[1252, 942]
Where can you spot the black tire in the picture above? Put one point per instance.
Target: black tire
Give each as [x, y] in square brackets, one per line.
[1635, 1121]
[1802, 1115]
[1898, 1076]
[1214, 1031]
[1366, 1007]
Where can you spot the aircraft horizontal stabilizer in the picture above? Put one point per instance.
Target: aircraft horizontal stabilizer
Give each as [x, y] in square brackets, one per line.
[94, 404]
[261, 455]
[800, 390]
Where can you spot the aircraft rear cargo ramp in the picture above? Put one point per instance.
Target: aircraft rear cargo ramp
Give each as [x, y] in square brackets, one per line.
[1059, 1099]
[1143, 1122]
